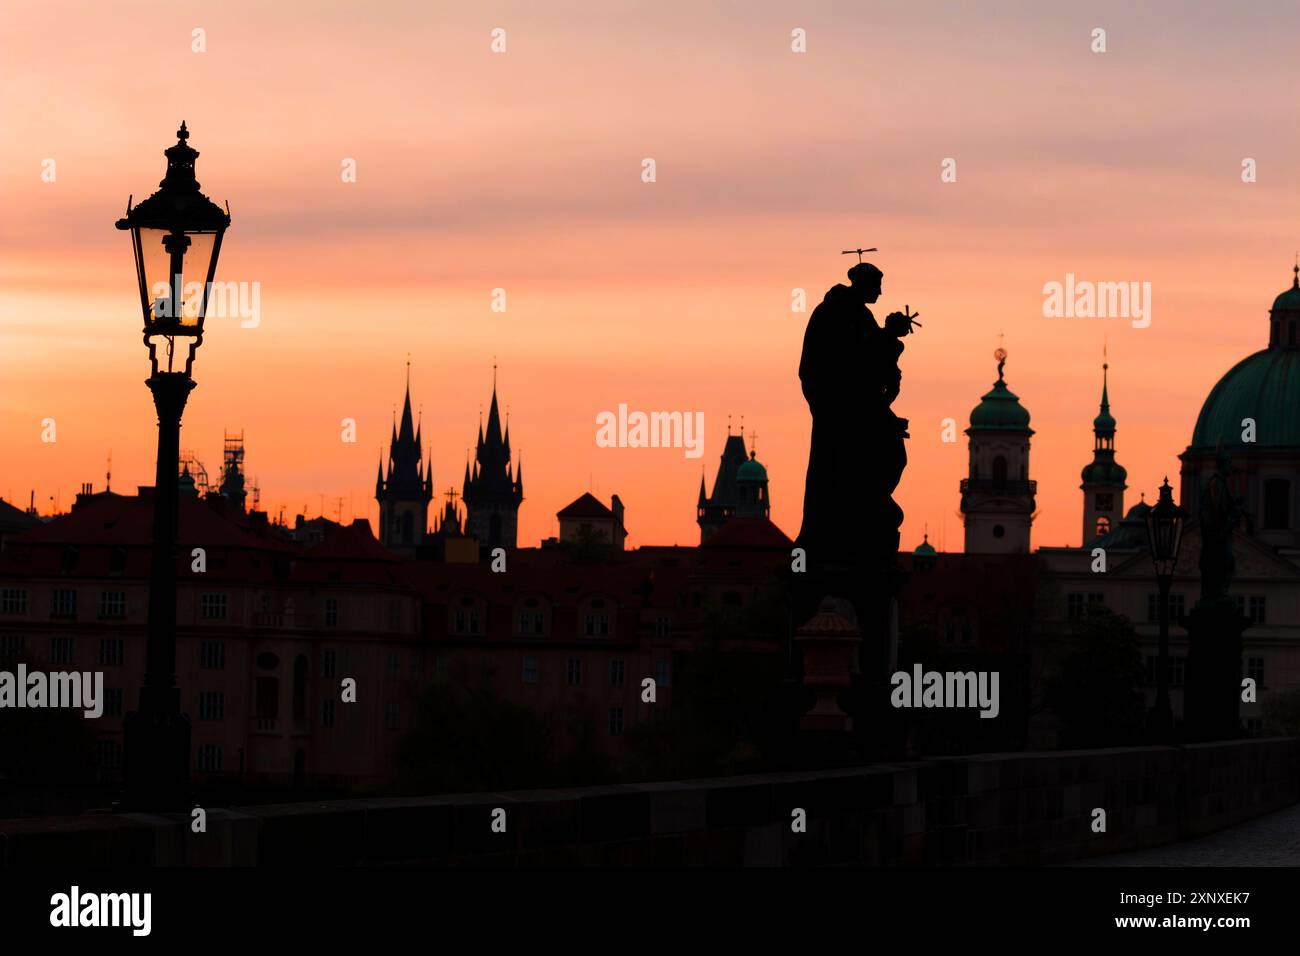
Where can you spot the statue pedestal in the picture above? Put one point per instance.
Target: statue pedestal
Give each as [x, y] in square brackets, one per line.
[829, 643]
[1212, 680]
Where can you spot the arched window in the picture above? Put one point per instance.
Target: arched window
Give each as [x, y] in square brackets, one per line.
[999, 470]
[300, 688]
[1103, 526]
[1277, 503]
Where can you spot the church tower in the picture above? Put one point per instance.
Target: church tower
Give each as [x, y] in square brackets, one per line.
[405, 492]
[997, 499]
[492, 490]
[1103, 478]
[713, 511]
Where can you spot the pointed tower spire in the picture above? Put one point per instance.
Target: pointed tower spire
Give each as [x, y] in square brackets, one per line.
[493, 436]
[406, 435]
[1104, 479]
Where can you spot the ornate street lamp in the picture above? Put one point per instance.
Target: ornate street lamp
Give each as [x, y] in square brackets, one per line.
[176, 235]
[1164, 535]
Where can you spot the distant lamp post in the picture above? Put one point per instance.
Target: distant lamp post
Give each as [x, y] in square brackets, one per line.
[1164, 535]
[176, 236]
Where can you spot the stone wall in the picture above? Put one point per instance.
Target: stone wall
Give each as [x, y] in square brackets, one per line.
[1028, 808]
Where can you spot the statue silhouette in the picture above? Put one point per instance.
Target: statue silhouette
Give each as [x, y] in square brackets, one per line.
[1220, 512]
[850, 377]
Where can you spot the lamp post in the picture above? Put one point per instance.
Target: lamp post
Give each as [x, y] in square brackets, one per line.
[176, 236]
[1164, 535]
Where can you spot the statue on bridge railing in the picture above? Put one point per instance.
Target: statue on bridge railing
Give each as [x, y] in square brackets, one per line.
[1219, 513]
[849, 538]
[850, 377]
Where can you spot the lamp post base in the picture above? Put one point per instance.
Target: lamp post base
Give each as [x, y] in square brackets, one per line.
[156, 762]
[1212, 708]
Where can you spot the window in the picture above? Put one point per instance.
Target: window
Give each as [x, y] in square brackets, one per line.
[532, 619]
[1252, 607]
[328, 663]
[530, 672]
[597, 620]
[13, 601]
[1177, 670]
[394, 664]
[1177, 607]
[112, 604]
[62, 650]
[266, 697]
[11, 648]
[616, 721]
[112, 651]
[1255, 725]
[212, 655]
[212, 607]
[616, 672]
[663, 625]
[999, 531]
[417, 662]
[63, 603]
[999, 470]
[1277, 503]
[331, 612]
[1105, 501]
[327, 712]
[391, 721]
[1103, 526]
[1255, 670]
[113, 702]
[1078, 604]
[210, 758]
[575, 672]
[212, 705]
[109, 754]
[1256, 609]
[663, 672]
[466, 618]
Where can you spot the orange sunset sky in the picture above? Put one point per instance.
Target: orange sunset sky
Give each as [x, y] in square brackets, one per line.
[522, 171]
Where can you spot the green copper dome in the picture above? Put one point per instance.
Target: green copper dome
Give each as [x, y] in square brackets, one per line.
[1264, 387]
[1000, 410]
[926, 549]
[1289, 301]
[1103, 472]
[751, 470]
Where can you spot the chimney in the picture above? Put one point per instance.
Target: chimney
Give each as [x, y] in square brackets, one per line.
[616, 506]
